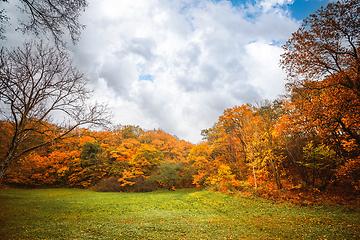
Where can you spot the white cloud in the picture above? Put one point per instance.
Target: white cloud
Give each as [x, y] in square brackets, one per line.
[269, 5]
[178, 64]
[262, 66]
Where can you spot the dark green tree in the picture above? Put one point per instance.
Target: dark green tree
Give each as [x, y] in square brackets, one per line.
[167, 174]
[90, 153]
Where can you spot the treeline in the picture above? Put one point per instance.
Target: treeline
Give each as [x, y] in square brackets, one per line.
[124, 159]
[262, 148]
[275, 146]
[307, 140]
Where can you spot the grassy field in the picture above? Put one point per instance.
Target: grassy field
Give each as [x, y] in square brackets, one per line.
[181, 214]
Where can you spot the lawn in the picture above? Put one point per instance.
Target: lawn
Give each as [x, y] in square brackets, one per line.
[181, 214]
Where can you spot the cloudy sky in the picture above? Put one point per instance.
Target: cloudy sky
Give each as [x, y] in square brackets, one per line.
[178, 64]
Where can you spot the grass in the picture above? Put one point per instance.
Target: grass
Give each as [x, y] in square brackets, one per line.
[181, 214]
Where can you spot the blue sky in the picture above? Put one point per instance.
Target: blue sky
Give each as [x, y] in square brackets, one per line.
[178, 64]
[300, 9]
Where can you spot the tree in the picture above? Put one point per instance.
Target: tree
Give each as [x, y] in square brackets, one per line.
[131, 131]
[329, 112]
[322, 61]
[320, 163]
[270, 146]
[37, 85]
[52, 17]
[224, 178]
[173, 149]
[90, 153]
[146, 159]
[327, 43]
[167, 174]
[241, 123]
[200, 160]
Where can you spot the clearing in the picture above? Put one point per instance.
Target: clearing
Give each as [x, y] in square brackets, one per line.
[182, 214]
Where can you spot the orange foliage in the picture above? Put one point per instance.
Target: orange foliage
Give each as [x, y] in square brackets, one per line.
[37, 170]
[349, 174]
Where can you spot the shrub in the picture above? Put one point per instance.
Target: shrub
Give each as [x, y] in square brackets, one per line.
[144, 185]
[110, 184]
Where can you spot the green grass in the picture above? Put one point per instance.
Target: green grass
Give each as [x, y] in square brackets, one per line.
[181, 214]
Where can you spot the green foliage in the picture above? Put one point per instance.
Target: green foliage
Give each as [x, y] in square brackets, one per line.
[89, 154]
[319, 157]
[130, 131]
[167, 174]
[321, 162]
[181, 214]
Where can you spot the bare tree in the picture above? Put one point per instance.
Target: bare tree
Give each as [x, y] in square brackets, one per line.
[37, 85]
[49, 16]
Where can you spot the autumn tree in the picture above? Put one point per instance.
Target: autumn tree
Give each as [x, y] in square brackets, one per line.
[224, 147]
[228, 144]
[244, 141]
[49, 17]
[269, 145]
[322, 61]
[173, 149]
[323, 65]
[320, 162]
[39, 85]
[146, 159]
[202, 163]
[327, 43]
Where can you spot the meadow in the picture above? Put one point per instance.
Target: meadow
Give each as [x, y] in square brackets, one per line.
[180, 214]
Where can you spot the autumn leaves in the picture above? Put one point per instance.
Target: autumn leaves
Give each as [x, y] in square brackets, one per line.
[309, 138]
[127, 154]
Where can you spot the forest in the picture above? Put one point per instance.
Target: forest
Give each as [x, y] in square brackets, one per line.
[303, 144]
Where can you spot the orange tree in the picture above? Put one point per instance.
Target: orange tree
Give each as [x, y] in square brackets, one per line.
[202, 163]
[269, 145]
[174, 150]
[254, 129]
[322, 62]
[48, 165]
[240, 128]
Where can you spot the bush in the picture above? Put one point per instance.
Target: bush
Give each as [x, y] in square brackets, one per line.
[144, 185]
[110, 184]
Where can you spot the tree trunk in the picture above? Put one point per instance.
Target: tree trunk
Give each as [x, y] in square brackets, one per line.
[253, 168]
[276, 174]
[5, 165]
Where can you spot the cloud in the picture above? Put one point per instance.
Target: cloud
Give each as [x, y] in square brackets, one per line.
[178, 64]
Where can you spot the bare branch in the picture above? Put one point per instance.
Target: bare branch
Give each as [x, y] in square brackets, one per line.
[52, 17]
[38, 83]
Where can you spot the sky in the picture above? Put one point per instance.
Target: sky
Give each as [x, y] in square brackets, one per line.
[176, 65]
